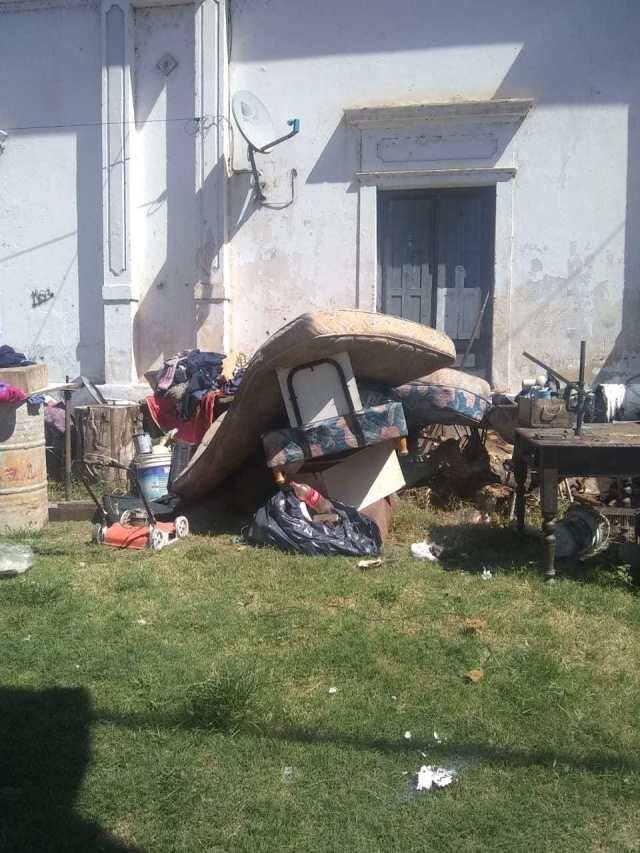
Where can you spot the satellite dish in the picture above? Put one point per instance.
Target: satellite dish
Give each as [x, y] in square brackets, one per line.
[256, 125]
[253, 120]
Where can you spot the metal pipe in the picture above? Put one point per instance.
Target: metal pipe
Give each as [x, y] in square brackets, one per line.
[475, 328]
[67, 443]
[549, 370]
[580, 414]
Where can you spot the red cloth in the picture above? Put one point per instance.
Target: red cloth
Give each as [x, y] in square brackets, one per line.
[165, 415]
[11, 394]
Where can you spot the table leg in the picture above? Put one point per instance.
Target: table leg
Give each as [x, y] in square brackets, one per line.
[520, 474]
[549, 502]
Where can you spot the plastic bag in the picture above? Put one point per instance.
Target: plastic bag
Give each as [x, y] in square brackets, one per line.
[14, 559]
[281, 523]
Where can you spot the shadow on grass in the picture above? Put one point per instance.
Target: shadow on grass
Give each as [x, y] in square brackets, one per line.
[474, 547]
[44, 754]
[465, 751]
[212, 516]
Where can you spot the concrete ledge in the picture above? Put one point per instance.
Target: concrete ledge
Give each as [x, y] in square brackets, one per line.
[72, 511]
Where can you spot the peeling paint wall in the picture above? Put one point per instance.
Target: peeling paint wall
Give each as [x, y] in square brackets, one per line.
[575, 268]
[50, 186]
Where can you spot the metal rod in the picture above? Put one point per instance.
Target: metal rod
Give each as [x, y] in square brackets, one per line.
[580, 415]
[475, 328]
[260, 196]
[67, 443]
[294, 124]
[549, 370]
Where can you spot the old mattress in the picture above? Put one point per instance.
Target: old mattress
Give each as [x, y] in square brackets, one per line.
[381, 348]
[445, 397]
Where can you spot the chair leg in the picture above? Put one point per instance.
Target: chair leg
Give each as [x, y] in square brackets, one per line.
[402, 446]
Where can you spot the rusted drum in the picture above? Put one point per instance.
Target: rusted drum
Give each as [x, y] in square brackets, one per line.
[23, 470]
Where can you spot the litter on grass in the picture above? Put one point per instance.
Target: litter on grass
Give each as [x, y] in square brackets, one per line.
[333, 690]
[407, 735]
[15, 560]
[426, 550]
[474, 626]
[487, 575]
[474, 676]
[369, 564]
[287, 774]
[429, 777]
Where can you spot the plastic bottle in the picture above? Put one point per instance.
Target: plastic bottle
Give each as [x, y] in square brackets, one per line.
[313, 499]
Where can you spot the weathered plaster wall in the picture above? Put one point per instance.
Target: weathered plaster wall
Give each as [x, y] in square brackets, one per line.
[576, 193]
[50, 209]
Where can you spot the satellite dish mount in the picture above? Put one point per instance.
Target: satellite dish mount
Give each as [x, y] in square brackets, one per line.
[256, 126]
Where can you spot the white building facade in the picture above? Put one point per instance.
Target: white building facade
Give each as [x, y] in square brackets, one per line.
[452, 158]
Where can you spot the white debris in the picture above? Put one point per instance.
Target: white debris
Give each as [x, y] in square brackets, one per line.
[614, 395]
[333, 690]
[426, 550]
[141, 621]
[369, 564]
[434, 777]
[407, 735]
[394, 698]
[437, 737]
[486, 575]
[15, 559]
[287, 774]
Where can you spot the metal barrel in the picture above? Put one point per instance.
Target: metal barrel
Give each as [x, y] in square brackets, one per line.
[142, 443]
[23, 470]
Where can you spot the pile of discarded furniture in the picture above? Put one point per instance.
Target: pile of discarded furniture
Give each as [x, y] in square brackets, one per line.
[334, 415]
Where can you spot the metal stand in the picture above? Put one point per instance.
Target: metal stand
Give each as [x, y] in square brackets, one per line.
[67, 442]
[580, 413]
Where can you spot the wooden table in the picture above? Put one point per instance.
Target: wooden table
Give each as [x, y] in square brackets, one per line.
[602, 450]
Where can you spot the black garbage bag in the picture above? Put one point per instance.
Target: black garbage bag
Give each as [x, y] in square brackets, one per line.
[281, 523]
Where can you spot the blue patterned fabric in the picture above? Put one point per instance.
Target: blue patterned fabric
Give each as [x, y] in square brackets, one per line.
[334, 435]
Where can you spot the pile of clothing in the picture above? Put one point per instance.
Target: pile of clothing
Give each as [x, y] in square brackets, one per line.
[10, 358]
[186, 390]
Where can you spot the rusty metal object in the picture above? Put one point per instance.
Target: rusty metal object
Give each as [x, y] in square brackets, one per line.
[543, 413]
[23, 471]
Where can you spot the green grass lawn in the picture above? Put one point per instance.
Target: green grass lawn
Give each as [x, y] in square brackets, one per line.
[153, 701]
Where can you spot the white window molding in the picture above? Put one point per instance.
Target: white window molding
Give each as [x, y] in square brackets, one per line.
[440, 145]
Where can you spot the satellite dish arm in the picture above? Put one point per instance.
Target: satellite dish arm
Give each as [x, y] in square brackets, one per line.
[294, 124]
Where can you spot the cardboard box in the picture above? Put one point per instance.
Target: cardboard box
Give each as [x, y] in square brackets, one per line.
[30, 378]
[361, 479]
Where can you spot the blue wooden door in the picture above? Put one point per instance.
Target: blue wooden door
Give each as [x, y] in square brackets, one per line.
[407, 231]
[436, 262]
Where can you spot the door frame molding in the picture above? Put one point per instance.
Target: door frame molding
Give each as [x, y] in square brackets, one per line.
[120, 291]
[482, 153]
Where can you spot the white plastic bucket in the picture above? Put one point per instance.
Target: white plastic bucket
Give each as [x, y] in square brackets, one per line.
[152, 470]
